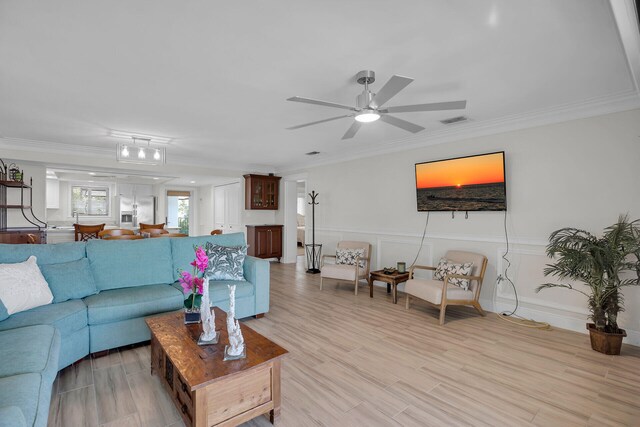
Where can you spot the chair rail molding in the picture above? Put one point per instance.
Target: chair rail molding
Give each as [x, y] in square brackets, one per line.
[439, 236]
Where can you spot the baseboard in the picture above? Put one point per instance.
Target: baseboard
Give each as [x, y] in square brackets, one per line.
[559, 318]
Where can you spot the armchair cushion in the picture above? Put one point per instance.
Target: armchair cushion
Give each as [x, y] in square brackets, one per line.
[348, 257]
[431, 290]
[446, 267]
[341, 272]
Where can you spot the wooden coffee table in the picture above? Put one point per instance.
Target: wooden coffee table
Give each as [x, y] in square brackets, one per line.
[390, 279]
[207, 390]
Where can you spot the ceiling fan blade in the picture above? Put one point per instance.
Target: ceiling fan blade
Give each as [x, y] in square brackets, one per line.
[319, 102]
[434, 106]
[320, 121]
[352, 130]
[403, 124]
[390, 89]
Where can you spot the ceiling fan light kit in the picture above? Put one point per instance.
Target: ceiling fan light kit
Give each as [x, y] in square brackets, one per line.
[368, 105]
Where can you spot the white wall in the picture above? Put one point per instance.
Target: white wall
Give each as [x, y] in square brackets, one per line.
[582, 173]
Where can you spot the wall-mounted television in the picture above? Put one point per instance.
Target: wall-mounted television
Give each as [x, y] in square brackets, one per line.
[472, 183]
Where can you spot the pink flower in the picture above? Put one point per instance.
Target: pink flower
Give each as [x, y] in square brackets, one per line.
[202, 260]
[186, 281]
[198, 282]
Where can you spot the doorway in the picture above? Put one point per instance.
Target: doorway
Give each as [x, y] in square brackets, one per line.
[178, 210]
[294, 218]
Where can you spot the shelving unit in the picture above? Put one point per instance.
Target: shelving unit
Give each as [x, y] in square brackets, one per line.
[9, 180]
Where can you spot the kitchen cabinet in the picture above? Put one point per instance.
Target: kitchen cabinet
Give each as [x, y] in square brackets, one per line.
[264, 241]
[261, 192]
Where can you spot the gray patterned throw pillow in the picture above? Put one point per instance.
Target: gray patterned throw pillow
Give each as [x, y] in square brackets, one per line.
[225, 263]
[448, 267]
[348, 256]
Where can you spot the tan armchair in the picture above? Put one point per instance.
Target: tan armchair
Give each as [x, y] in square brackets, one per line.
[345, 272]
[441, 293]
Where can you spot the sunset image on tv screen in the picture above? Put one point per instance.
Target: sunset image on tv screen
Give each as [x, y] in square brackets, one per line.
[473, 183]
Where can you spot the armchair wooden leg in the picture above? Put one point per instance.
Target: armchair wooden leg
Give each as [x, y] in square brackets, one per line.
[477, 306]
[320, 282]
[356, 287]
[406, 305]
[443, 310]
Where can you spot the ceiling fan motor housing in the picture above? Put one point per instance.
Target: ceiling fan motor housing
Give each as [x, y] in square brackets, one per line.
[363, 100]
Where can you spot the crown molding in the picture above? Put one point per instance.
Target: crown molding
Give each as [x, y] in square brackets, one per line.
[49, 147]
[600, 106]
[625, 16]
[588, 108]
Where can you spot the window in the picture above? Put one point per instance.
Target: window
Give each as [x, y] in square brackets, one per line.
[89, 200]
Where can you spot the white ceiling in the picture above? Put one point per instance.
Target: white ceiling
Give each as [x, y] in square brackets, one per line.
[214, 76]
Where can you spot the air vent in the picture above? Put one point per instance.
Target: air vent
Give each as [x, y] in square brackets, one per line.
[453, 120]
[312, 153]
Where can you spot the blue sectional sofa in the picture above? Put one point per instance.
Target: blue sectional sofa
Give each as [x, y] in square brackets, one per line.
[102, 292]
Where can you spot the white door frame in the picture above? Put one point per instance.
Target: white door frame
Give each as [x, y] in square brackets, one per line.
[290, 210]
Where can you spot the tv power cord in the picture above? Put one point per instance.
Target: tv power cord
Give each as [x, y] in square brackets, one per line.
[511, 316]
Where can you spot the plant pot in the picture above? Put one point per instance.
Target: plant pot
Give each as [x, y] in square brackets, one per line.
[191, 316]
[605, 342]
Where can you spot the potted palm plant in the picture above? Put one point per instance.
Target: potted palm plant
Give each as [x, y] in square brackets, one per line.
[604, 265]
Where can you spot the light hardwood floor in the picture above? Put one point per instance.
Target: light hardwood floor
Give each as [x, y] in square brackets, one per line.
[357, 361]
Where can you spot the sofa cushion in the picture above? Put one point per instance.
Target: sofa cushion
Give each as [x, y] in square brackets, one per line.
[46, 254]
[11, 416]
[219, 291]
[24, 391]
[128, 263]
[67, 317]
[23, 287]
[69, 280]
[29, 349]
[431, 290]
[182, 250]
[129, 303]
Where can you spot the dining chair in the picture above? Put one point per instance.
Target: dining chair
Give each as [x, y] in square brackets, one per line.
[82, 233]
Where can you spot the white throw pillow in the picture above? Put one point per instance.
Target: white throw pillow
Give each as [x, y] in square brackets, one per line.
[348, 256]
[446, 267]
[23, 287]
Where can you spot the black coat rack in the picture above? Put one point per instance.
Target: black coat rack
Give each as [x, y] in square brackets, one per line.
[313, 250]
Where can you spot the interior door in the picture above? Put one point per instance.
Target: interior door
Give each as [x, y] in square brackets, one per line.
[219, 207]
[232, 207]
[226, 207]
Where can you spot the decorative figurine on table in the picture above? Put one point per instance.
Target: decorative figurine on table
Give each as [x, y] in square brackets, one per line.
[209, 335]
[236, 348]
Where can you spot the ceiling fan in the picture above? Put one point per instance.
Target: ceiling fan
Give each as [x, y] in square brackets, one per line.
[368, 105]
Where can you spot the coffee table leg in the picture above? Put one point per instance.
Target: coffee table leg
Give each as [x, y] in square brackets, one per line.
[388, 288]
[274, 414]
[395, 293]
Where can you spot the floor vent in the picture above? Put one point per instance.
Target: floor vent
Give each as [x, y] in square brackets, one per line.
[312, 153]
[453, 120]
